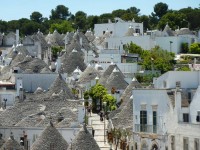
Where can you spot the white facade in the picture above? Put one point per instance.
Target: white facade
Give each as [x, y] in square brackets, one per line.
[117, 29]
[175, 125]
[32, 81]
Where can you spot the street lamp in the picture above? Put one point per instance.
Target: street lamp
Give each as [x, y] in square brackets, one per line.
[104, 103]
[187, 22]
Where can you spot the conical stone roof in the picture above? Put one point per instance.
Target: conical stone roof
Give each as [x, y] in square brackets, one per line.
[90, 36]
[55, 39]
[49, 139]
[84, 141]
[124, 119]
[72, 61]
[125, 97]
[116, 80]
[107, 73]
[168, 30]
[90, 73]
[11, 144]
[33, 65]
[2, 141]
[59, 86]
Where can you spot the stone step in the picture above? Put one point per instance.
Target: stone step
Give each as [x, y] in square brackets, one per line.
[99, 132]
[102, 144]
[98, 126]
[100, 137]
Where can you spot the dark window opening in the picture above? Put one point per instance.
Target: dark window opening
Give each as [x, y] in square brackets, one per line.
[185, 117]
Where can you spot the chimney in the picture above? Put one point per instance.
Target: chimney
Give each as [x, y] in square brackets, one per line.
[58, 66]
[178, 100]
[19, 85]
[81, 41]
[21, 95]
[17, 36]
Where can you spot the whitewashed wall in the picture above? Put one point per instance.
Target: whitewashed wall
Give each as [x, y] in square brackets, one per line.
[32, 81]
[195, 106]
[144, 42]
[118, 29]
[189, 79]
[124, 67]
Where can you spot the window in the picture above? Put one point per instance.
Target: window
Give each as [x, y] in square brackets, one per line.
[172, 142]
[185, 117]
[198, 116]
[185, 144]
[137, 30]
[196, 144]
[143, 121]
[154, 122]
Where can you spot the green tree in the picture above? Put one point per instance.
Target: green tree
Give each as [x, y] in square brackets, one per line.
[133, 48]
[13, 25]
[36, 16]
[118, 13]
[30, 27]
[111, 101]
[158, 59]
[3, 26]
[60, 12]
[80, 20]
[96, 93]
[194, 48]
[192, 17]
[105, 17]
[146, 22]
[63, 27]
[184, 68]
[55, 50]
[91, 21]
[160, 9]
[173, 19]
[184, 48]
[133, 10]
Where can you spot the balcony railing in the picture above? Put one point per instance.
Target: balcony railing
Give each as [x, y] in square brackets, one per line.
[146, 128]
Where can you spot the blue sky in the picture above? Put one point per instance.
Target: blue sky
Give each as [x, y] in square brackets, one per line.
[16, 9]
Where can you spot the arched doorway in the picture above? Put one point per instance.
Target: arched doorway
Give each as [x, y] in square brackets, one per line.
[144, 146]
[154, 147]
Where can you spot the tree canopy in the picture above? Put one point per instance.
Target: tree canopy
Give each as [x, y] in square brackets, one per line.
[60, 12]
[36, 16]
[158, 59]
[156, 20]
[160, 9]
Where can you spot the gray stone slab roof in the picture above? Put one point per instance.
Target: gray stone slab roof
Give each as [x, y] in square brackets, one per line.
[90, 73]
[116, 80]
[55, 39]
[71, 61]
[83, 141]
[39, 37]
[49, 139]
[60, 86]
[107, 73]
[11, 143]
[124, 119]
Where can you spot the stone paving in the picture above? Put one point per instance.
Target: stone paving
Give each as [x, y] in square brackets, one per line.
[98, 126]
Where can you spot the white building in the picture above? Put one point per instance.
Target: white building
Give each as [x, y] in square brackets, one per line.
[168, 115]
[117, 34]
[118, 28]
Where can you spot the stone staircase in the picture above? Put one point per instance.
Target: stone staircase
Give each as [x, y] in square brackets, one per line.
[98, 126]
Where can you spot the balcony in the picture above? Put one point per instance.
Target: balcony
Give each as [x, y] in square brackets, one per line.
[147, 128]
